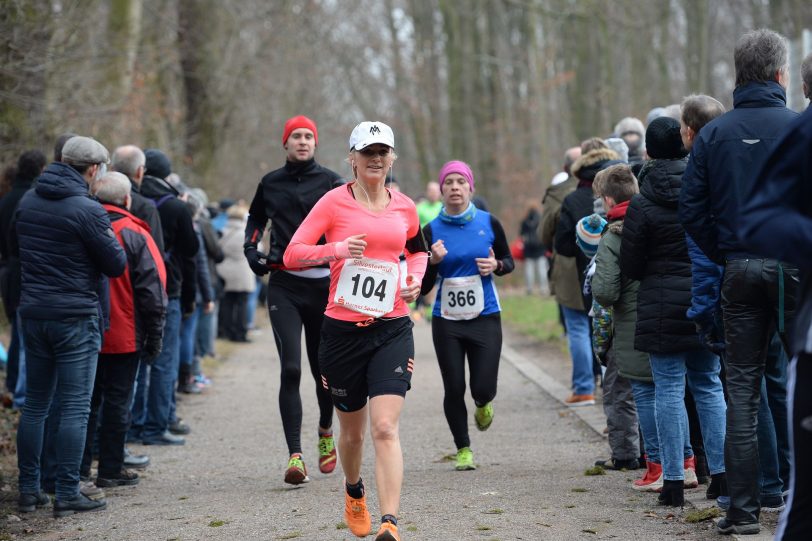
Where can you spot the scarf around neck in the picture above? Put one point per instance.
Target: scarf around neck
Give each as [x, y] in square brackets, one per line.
[618, 211]
[459, 219]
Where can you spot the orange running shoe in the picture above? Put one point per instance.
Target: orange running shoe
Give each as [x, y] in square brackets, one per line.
[357, 516]
[388, 532]
[296, 474]
[327, 453]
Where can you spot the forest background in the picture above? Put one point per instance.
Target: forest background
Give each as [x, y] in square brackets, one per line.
[506, 85]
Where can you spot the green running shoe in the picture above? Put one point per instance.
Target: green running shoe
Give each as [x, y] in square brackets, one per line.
[465, 459]
[296, 474]
[484, 416]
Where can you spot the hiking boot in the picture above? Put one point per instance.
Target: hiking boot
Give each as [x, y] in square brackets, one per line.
[617, 464]
[727, 527]
[89, 489]
[78, 504]
[388, 532]
[135, 461]
[124, 478]
[652, 481]
[483, 416]
[296, 474]
[28, 503]
[465, 459]
[327, 453]
[689, 472]
[577, 400]
[356, 515]
[672, 494]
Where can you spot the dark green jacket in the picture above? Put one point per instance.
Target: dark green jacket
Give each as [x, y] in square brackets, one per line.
[611, 289]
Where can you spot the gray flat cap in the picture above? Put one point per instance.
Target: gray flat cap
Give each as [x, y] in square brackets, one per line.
[84, 151]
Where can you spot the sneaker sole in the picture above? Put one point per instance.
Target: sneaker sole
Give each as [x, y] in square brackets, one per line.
[647, 488]
[740, 529]
[143, 466]
[386, 536]
[296, 478]
[465, 468]
[579, 404]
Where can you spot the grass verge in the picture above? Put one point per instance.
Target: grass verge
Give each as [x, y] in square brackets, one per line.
[532, 315]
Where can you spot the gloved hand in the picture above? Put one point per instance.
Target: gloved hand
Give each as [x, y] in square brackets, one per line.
[152, 348]
[257, 261]
[711, 337]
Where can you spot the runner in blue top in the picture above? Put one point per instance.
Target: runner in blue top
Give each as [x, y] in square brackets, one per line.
[468, 246]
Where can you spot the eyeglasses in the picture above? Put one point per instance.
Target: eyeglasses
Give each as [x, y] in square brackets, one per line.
[370, 152]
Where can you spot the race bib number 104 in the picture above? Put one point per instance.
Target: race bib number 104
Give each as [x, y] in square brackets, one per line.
[368, 286]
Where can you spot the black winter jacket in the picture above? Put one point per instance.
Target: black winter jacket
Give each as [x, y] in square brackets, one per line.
[285, 197]
[180, 239]
[653, 250]
[9, 264]
[65, 242]
[145, 209]
[725, 159]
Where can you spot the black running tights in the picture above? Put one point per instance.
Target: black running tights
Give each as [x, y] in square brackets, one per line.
[293, 303]
[481, 340]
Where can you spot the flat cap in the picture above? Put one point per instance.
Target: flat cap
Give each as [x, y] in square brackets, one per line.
[81, 150]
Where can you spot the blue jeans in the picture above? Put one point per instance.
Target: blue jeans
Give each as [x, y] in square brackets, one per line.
[163, 375]
[61, 360]
[580, 344]
[643, 392]
[19, 386]
[771, 484]
[253, 298]
[188, 330]
[702, 369]
[204, 344]
[775, 375]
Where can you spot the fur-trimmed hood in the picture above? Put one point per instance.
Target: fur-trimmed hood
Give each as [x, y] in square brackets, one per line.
[588, 165]
[615, 227]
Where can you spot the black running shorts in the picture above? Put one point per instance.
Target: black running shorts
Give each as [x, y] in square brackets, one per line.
[359, 362]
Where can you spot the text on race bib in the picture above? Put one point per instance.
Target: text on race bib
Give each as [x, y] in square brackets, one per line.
[462, 297]
[368, 286]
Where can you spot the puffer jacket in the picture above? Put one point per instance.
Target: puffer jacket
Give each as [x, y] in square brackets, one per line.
[613, 290]
[234, 269]
[563, 272]
[65, 243]
[653, 251]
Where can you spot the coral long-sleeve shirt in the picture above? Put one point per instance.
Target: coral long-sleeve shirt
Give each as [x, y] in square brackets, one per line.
[366, 287]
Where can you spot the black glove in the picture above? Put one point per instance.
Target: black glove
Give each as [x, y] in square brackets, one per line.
[711, 337]
[257, 261]
[152, 348]
[187, 309]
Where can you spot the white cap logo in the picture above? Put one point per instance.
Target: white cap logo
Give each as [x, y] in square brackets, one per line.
[368, 133]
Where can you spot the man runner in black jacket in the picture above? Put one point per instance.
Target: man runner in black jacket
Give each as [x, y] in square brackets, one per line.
[296, 297]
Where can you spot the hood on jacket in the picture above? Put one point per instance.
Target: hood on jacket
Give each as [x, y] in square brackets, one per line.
[661, 180]
[587, 166]
[59, 181]
[155, 188]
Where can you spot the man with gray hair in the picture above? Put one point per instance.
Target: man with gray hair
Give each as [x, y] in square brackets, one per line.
[137, 311]
[131, 161]
[806, 76]
[65, 243]
[758, 295]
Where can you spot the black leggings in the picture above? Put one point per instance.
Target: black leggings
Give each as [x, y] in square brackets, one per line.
[481, 340]
[294, 302]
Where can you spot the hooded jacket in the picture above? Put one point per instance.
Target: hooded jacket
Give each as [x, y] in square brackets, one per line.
[137, 297]
[563, 272]
[653, 251]
[725, 158]
[579, 204]
[180, 239]
[64, 242]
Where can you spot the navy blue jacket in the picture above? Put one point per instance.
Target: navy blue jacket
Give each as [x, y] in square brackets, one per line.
[725, 156]
[777, 217]
[65, 243]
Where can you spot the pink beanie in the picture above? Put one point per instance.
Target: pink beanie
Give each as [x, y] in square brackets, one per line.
[458, 167]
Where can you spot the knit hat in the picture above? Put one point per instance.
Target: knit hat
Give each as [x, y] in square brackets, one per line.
[157, 163]
[620, 147]
[458, 167]
[297, 122]
[80, 150]
[663, 140]
[629, 125]
[588, 234]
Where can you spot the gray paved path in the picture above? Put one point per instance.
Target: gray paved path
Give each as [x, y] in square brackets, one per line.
[226, 483]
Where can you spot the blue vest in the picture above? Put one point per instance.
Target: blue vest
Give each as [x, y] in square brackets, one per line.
[464, 244]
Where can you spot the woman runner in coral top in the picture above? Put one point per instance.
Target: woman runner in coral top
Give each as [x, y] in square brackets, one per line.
[367, 347]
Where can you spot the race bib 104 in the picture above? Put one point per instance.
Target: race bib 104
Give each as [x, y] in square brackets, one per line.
[368, 286]
[462, 297]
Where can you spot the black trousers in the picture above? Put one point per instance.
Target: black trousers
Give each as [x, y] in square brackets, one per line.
[234, 315]
[295, 303]
[480, 340]
[753, 303]
[115, 379]
[796, 521]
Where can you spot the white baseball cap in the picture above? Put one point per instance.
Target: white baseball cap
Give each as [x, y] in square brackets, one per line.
[368, 133]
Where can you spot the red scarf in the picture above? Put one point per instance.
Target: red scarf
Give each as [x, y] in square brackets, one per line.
[618, 212]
